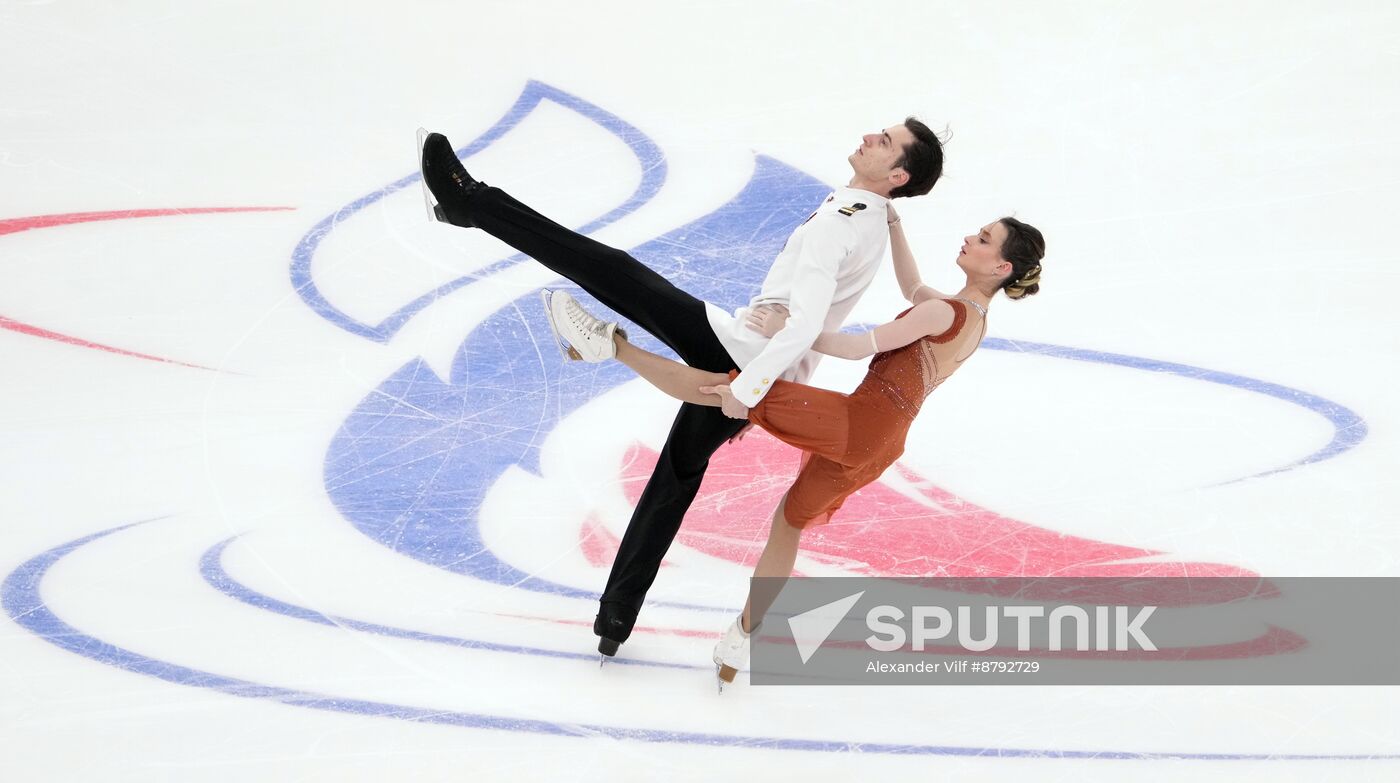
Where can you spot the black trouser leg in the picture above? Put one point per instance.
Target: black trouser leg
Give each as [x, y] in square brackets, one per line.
[619, 281]
[678, 319]
[696, 434]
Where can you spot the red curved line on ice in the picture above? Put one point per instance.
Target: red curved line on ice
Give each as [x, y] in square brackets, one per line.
[16, 225]
[884, 532]
[35, 331]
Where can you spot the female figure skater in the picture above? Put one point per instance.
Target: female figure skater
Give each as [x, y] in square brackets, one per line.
[850, 439]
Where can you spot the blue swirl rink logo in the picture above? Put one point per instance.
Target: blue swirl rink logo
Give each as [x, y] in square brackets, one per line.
[413, 463]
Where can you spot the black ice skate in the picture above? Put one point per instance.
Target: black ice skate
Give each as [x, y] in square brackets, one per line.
[446, 183]
[612, 626]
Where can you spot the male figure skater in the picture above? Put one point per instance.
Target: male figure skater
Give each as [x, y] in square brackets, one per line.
[826, 266]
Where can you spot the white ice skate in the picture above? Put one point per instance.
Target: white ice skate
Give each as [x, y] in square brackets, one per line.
[578, 333]
[732, 652]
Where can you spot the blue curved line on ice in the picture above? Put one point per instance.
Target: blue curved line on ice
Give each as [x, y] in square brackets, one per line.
[1349, 429]
[211, 567]
[412, 465]
[21, 597]
[653, 164]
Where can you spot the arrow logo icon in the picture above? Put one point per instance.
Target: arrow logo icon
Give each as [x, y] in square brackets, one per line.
[811, 628]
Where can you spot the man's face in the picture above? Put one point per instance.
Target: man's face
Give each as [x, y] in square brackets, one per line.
[874, 160]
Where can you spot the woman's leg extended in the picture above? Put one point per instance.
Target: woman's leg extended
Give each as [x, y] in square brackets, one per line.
[779, 556]
[678, 380]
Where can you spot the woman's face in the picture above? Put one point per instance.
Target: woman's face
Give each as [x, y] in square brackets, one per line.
[981, 252]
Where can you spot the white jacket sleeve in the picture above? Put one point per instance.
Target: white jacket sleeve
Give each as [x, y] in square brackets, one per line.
[829, 239]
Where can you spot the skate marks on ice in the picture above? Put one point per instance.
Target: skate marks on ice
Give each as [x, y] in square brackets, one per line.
[414, 463]
[21, 596]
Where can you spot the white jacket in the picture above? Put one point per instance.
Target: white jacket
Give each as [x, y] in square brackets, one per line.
[823, 270]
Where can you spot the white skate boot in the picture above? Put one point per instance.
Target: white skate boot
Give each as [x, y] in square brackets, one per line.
[732, 652]
[578, 333]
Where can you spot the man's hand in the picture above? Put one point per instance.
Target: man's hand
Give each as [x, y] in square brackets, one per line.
[767, 319]
[731, 407]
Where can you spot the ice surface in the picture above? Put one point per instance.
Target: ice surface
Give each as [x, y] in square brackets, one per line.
[306, 493]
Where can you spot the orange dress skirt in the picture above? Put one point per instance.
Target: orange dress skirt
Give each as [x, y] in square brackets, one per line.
[850, 439]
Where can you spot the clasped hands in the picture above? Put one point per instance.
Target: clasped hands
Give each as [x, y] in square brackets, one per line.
[727, 403]
[767, 320]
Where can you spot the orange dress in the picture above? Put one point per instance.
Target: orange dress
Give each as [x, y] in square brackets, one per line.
[850, 439]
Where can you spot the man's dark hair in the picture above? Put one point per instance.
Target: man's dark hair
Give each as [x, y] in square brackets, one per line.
[922, 159]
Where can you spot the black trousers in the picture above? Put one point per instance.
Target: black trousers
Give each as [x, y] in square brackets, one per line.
[674, 317]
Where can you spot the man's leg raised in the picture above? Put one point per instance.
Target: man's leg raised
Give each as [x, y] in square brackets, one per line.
[619, 281]
[641, 295]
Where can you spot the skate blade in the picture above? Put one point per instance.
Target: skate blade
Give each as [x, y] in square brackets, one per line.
[607, 648]
[435, 213]
[568, 351]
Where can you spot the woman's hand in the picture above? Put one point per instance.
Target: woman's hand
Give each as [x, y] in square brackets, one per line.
[728, 404]
[744, 430]
[891, 216]
[768, 319]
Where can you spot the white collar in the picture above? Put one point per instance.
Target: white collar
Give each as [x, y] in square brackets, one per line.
[864, 196]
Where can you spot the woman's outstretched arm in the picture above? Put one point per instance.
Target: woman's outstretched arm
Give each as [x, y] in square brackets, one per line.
[929, 317]
[678, 380]
[906, 271]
